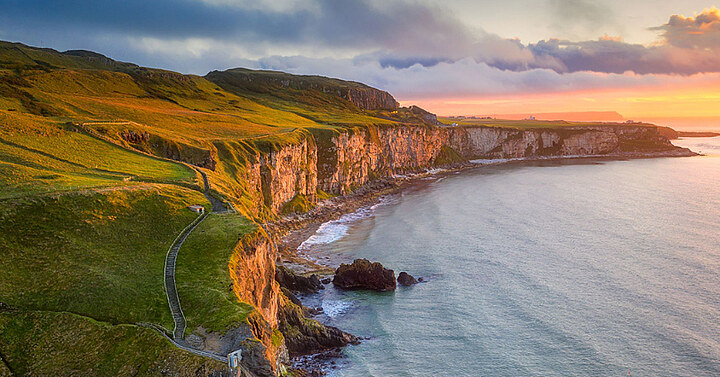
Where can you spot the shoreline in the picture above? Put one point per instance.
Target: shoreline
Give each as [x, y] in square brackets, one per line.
[291, 231]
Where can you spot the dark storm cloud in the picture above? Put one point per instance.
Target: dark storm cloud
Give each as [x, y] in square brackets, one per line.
[158, 18]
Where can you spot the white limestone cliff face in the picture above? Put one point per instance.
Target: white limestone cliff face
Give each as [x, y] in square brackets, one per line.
[338, 162]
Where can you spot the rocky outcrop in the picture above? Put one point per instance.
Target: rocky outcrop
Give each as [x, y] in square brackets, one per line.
[406, 279]
[340, 161]
[159, 146]
[240, 80]
[371, 99]
[305, 336]
[363, 274]
[297, 283]
[425, 115]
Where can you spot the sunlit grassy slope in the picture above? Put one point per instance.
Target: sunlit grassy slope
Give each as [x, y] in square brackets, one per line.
[80, 270]
[39, 155]
[184, 117]
[98, 254]
[187, 108]
[204, 283]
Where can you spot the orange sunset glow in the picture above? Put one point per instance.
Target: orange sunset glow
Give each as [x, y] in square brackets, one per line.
[688, 103]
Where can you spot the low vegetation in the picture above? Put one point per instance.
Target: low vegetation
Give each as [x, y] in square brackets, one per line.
[98, 254]
[203, 277]
[41, 343]
[38, 156]
[91, 199]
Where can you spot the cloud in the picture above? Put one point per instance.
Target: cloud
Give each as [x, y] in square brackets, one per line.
[688, 46]
[363, 25]
[407, 47]
[700, 32]
[469, 78]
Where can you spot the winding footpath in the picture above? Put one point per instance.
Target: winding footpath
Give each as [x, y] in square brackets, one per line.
[218, 206]
[178, 333]
[170, 287]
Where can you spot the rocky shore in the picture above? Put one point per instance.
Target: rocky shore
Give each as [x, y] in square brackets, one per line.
[291, 231]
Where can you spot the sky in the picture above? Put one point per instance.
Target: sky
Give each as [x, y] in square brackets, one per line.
[646, 59]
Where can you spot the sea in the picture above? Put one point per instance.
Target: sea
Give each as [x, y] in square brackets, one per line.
[578, 267]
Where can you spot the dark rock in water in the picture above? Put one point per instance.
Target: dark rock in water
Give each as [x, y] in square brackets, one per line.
[297, 283]
[363, 274]
[315, 311]
[326, 281]
[406, 279]
[304, 336]
[421, 279]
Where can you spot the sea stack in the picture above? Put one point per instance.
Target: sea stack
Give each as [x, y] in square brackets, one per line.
[363, 274]
[406, 279]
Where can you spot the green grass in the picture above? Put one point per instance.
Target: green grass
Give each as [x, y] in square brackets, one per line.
[100, 254]
[85, 223]
[40, 156]
[298, 204]
[64, 344]
[203, 277]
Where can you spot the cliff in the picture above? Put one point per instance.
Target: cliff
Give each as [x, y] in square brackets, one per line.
[338, 161]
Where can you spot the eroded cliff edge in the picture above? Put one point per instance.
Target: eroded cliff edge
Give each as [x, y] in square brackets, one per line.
[340, 161]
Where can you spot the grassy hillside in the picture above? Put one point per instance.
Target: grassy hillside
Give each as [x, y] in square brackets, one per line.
[97, 254]
[86, 221]
[63, 344]
[218, 122]
[38, 155]
[80, 270]
[203, 277]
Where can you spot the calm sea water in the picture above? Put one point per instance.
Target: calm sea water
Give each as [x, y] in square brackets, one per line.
[582, 268]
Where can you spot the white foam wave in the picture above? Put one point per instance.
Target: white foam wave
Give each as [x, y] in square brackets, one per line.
[435, 171]
[333, 308]
[495, 161]
[327, 233]
[335, 230]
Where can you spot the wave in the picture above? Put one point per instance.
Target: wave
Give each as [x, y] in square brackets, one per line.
[496, 161]
[335, 230]
[334, 308]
